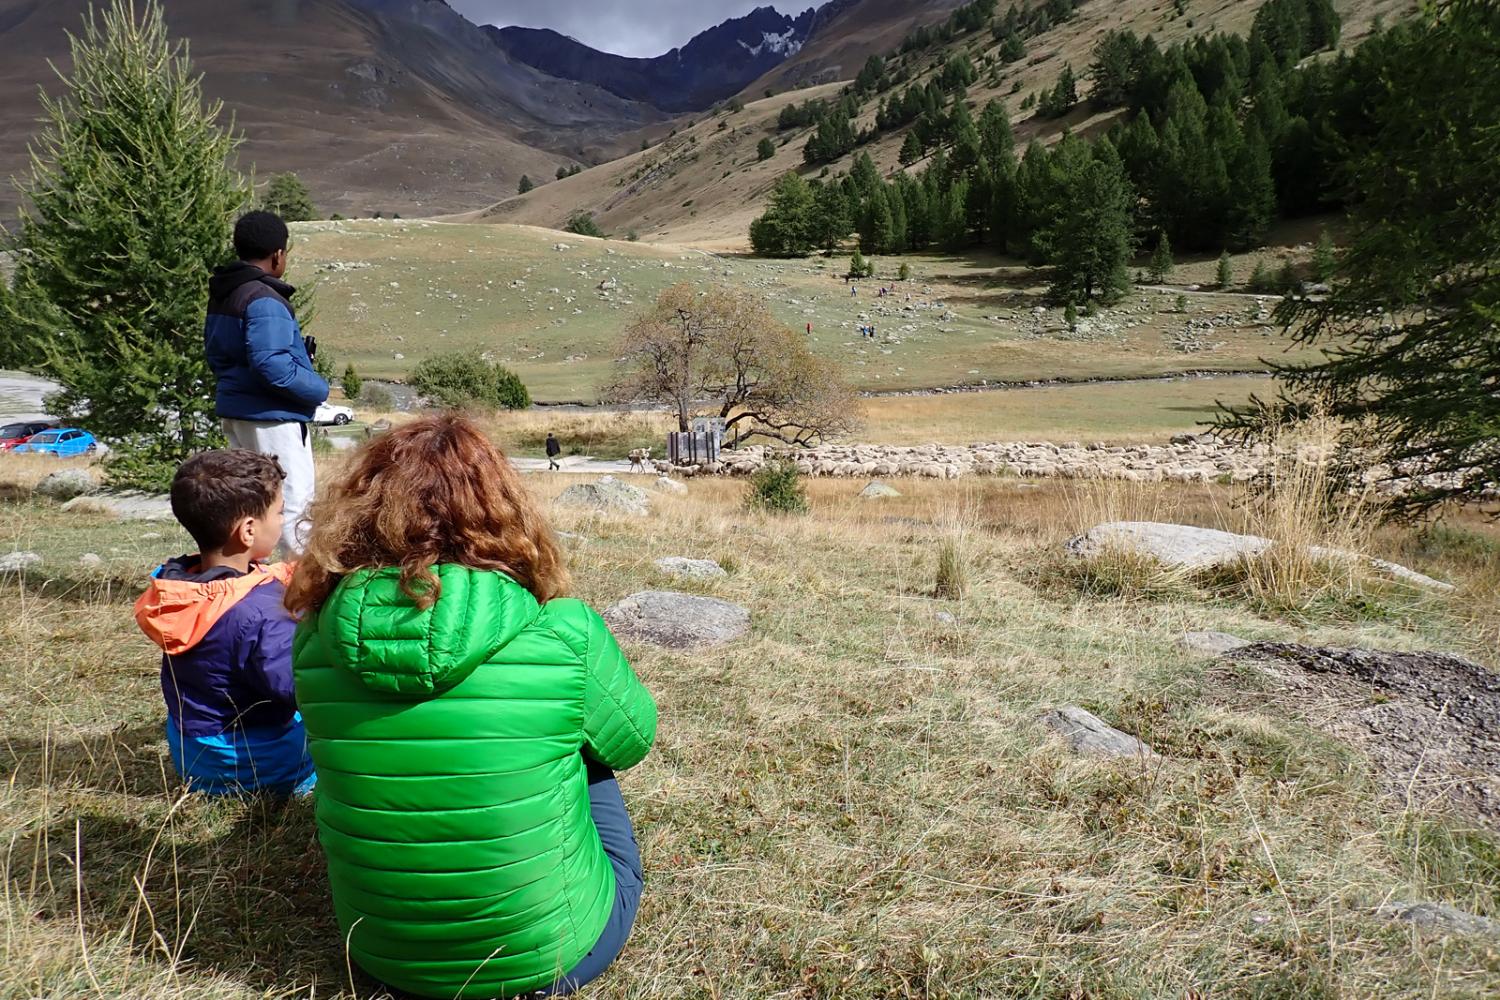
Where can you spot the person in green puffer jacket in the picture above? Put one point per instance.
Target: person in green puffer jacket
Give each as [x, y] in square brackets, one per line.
[465, 722]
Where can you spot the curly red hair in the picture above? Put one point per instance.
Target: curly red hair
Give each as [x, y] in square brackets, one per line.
[433, 491]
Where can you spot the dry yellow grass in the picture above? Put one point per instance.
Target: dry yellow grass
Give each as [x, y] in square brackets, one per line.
[855, 801]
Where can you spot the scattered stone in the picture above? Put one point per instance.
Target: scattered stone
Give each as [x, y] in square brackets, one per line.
[607, 495]
[677, 621]
[569, 536]
[15, 562]
[691, 569]
[667, 484]
[1211, 643]
[91, 560]
[126, 506]
[1087, 733]
[878, 490]
[66, 484]
[1441, 917]
[945, 618]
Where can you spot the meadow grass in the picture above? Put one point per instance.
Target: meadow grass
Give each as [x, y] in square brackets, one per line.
[856, 801]
[413, 289]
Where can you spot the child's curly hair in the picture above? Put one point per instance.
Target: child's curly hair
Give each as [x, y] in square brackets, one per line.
[431, 491]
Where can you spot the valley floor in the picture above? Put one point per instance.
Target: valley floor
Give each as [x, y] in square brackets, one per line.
[856, 801]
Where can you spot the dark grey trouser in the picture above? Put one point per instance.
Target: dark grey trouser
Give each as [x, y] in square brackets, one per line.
[607, 806]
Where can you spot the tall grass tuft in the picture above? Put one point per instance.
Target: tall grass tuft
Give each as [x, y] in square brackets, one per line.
[957, 523]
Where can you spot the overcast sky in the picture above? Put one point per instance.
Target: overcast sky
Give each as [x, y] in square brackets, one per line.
[629, 27]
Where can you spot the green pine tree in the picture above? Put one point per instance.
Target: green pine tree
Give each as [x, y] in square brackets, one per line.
[289, 198]
[1160, 268]
[787, 228]
[911, 149]
[353, 384]
[1225, 277]
[765, 149]
[1091, 241]
[1325, 258]
[131, 205]
[526, 184]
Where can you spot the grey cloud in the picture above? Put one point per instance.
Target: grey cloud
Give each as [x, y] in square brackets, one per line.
[631, 29]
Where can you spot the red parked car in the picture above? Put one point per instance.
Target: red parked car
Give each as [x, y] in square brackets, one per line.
[14, 434]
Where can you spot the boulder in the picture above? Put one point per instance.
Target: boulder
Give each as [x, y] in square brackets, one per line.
[1180, 546]
[677, 621]
[66, 484]
[91, 560]
[1441, 917]
[1087, 733]
[1175, 545]
[15, 562]
[667, 484]
[878, 490]
[1211, 643]
[608, 495]
[125, 506]
[691, 569]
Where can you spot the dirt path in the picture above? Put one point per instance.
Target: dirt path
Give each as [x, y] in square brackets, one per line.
[21, 396]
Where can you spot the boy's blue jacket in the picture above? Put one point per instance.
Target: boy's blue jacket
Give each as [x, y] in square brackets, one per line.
[226, 676]
[254, 346]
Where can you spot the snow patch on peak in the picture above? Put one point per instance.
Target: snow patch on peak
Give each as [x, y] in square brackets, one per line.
[785, 45]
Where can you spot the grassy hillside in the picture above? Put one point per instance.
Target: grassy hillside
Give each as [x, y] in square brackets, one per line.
[856, 801]
[391, 293]
[704, 185]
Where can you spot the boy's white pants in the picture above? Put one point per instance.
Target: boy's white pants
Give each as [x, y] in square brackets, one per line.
[291, 443]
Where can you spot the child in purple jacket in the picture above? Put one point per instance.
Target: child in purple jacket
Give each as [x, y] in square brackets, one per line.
[226, 640]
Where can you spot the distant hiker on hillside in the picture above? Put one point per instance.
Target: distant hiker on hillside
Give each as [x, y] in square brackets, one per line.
[226, 640]
[553, 450]
[477, 841]
[267, 388]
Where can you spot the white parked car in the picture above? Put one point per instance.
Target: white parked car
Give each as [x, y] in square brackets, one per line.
[328, 413]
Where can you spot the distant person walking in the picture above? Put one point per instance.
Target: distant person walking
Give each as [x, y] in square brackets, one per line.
[267, 391]
[554, 448]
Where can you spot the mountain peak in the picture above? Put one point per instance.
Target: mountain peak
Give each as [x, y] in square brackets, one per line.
[715, 64]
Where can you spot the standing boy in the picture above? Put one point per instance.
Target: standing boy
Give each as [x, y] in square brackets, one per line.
[226, 640]
[267, 388]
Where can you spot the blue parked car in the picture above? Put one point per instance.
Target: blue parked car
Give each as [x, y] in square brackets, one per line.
[66, 442]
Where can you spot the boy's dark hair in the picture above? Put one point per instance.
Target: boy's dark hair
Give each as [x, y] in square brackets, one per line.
[214, 490]
[259, 234]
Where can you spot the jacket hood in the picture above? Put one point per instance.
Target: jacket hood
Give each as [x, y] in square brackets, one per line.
[177, 610]
[231, 276]
[371, 628]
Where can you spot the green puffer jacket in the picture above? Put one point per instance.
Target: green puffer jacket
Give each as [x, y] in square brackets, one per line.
[452, 799]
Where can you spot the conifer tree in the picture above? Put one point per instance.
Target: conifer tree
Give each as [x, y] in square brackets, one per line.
[525, 185]
[131, 205]
[353, 385]
[911, 149]
[1091, 239]
[289, 198]
[1225, 275]
[1160, 269]
[1412, 329]
[1325, 258]
[786, 229]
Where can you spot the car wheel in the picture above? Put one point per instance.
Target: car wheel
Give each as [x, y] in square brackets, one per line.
[91, 449]
[341, 419]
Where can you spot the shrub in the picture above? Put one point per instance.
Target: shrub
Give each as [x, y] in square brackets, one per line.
[526, 185]
[377, 397]
[777, 488]
[766, 148]
[1225, 276]
[467, 379]
[904, 274]
[1261, 281]
[352, 382]
[581, 223]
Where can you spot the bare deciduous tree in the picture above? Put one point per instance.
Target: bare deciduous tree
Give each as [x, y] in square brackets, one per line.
[719, 351]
